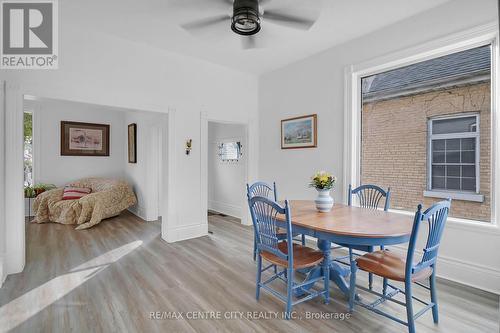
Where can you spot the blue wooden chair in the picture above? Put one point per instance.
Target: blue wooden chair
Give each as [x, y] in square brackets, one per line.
[369, 197]
[265, 190]
[396, 267]
[286, 254]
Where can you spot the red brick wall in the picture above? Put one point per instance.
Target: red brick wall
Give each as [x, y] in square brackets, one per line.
[394, 145]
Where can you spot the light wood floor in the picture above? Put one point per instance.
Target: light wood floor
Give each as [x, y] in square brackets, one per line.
[109, 278]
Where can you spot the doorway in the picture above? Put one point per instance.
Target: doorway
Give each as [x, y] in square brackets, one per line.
[227, 169]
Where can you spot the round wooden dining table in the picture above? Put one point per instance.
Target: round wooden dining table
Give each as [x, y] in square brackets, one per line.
[347, 225]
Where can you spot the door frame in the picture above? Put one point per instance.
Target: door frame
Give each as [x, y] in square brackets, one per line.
[13, 259]
[250, 168]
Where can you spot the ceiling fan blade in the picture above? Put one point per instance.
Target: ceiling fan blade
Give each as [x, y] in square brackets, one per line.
[203, 23]
[292, 21]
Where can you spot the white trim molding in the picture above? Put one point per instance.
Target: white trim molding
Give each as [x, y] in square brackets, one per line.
[225, 208]
[14, 179]
[186, 232]
[250, 166]
[3, 274]
[138, 211]
[169, 218]
[479, 36]
[453, 265]
[464, 196]
[464, 272]
[3, 234]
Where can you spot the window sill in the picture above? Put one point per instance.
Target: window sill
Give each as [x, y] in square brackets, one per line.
[455, 195]
[474, 226]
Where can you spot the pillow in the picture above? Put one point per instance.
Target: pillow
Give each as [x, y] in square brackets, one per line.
[75, 193]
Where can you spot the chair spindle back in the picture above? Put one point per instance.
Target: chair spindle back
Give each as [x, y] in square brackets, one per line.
[369, 196]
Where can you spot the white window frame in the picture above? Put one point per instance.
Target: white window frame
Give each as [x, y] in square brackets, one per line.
[454, 194]
[468, 39]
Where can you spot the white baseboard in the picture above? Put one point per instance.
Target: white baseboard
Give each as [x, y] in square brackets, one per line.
[471, 274]
[13, 262]
[141, 213]
[225, 208]
[3, 274]
[456, 270]
[185, 232]
[464, 272]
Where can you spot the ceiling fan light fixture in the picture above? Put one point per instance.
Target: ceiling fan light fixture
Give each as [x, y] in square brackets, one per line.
[245, 20]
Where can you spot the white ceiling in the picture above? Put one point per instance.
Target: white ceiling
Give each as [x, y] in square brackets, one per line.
[157, 23]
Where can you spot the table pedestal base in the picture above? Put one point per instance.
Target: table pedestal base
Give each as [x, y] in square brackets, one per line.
[336, 272]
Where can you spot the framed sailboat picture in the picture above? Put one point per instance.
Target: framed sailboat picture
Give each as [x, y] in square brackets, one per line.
[299, 132]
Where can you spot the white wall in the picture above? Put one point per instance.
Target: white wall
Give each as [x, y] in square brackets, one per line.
[316, 85]
[101, 69]
[145, 174]
[3, 266]
[49, 166]
[226, 180]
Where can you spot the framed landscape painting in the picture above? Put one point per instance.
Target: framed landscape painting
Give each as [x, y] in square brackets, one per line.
[84, 139]
[132, 143]
[299, 132]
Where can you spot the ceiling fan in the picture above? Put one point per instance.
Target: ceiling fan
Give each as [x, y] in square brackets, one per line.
[247, 17]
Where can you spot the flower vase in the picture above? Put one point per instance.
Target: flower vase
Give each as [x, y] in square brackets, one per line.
[324, 202]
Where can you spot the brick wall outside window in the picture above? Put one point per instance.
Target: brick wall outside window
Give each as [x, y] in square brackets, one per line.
[394, 145]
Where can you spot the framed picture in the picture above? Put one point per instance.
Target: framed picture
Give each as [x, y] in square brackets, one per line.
[84, 139]
[299, 132]
[132, 143]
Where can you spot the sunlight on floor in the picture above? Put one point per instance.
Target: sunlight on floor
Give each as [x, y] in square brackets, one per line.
[22, 308]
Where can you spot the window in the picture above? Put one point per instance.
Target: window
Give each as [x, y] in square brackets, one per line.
[230, 151]
[424, 129]
[454, 148]
[28, 149]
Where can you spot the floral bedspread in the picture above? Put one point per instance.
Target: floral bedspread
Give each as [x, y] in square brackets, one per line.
[109, 198]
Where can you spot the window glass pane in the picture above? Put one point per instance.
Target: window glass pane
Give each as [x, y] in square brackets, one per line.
[454, 125]
[469, 144]
[438, 182]
[453, 170]
[452, 183]
[438, 170]
[468, 171]
[469, 184]
[453, 144]
[453, 157]
[438, 157]
[28, 149]
[438, 145]
[468, 156]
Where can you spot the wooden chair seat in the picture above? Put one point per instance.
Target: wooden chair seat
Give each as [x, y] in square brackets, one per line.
[303, 256]
[281, 233]
[389, 265]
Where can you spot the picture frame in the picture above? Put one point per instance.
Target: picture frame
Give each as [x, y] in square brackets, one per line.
[84, 139]
[299, 132]
[132, 143]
